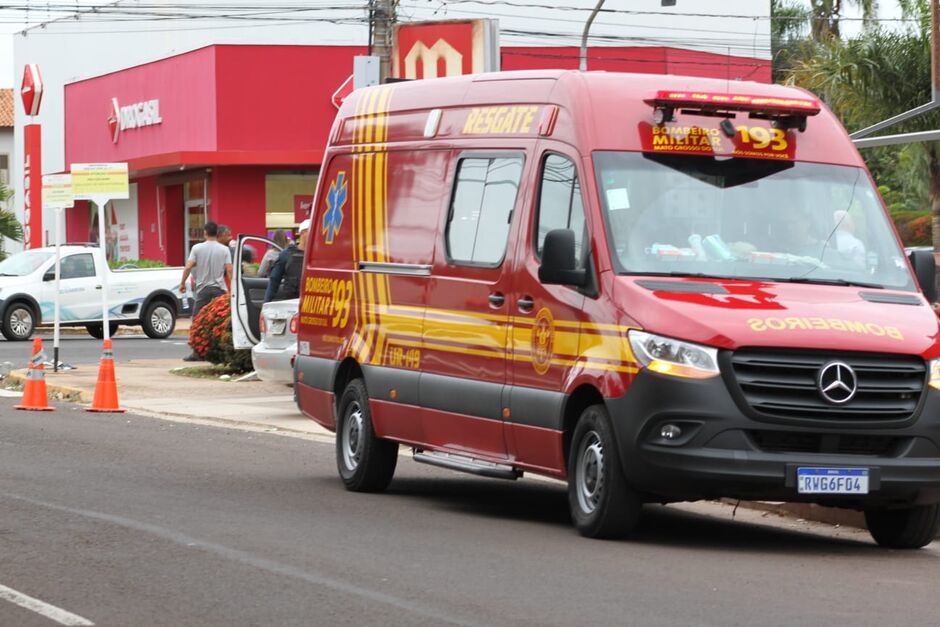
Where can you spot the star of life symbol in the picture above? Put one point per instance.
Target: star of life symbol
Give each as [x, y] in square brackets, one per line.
[335, 199]
[837, 383]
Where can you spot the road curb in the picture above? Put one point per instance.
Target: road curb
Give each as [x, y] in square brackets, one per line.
[806, 511]
[17, 378]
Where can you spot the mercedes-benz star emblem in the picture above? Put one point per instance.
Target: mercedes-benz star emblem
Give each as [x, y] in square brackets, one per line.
[837, 382]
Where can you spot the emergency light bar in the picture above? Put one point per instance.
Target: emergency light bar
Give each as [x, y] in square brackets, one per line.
[787, 112]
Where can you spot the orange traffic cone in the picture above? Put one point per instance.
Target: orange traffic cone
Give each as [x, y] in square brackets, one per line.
[34, 392]
[106, 396]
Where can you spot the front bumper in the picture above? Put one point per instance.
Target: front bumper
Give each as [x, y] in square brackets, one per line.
[723, 452]
[274, 364]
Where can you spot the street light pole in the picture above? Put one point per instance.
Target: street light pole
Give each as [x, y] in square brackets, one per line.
[587, 29]
[584, 37]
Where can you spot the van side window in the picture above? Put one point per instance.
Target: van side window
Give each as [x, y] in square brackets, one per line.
[560, 205]
[77, 266]
[481, 208]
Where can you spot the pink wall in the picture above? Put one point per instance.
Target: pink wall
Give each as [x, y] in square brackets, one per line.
[147, 219]
[640, 60]
[237, 199]
[290, 108]
[76, 222]
[184, 85]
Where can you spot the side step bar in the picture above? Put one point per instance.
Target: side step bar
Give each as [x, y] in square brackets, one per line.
[467, 464]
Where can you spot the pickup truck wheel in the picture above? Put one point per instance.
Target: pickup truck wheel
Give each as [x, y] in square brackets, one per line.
[159, 320]
[96, 329]
[908, 528]
[602, 504]
[365, 463]
[18, 322]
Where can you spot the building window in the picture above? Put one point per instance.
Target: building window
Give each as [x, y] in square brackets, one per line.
[5, 170]
[288, 199]
[481, 209]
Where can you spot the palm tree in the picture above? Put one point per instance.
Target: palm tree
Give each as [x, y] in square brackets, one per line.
[826, 15]
[10, 227]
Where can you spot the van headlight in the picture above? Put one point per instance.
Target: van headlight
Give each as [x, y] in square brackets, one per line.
[935, 374]
[675, 358]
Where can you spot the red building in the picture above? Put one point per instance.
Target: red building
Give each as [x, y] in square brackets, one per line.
[236, 133]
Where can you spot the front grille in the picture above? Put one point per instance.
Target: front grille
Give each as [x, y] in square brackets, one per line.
[783, 384]
[840, 444]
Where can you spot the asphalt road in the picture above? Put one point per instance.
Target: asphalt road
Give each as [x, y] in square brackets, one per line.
[82, 349]
[128, 520]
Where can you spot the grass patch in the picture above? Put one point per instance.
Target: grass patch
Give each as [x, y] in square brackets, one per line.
[213, 371]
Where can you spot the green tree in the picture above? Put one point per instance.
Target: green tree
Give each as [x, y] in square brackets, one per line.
[870, 78]
[10, 227]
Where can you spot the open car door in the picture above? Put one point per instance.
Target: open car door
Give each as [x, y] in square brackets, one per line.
[248, 293]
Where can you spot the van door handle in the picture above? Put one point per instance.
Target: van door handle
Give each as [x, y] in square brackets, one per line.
[97, 287]
[497, 299]
[526, 303]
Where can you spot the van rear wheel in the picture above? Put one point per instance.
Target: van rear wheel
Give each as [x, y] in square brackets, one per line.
[602, 504]
[908, 528]
[365, 462]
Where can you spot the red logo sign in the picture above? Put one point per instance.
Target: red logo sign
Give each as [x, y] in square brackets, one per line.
[32, 186]
[114, 121]
[31, 89]
[302, 206]
[435, 49]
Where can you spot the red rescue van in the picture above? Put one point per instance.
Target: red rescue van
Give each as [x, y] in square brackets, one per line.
[657, 288]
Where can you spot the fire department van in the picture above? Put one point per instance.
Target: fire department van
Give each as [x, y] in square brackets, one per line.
[656, 288]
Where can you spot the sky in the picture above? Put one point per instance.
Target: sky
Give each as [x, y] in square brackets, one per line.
[10, 23]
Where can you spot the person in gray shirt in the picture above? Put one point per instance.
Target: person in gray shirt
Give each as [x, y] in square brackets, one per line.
[210, 264]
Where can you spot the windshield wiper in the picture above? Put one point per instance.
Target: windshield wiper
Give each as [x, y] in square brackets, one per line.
[5, 274]
[685, 275]
[806, 279]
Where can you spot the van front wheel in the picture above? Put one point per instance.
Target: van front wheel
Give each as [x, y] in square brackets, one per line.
[365, 462]
[602, 504]
[908, 528]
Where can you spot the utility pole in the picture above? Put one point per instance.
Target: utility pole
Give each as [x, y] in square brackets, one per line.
[383, 17]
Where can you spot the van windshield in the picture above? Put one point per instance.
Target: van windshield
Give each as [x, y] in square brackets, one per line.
[23, 263]
[747, 218]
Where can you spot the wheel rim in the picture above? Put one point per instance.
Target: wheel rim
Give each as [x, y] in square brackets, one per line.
[352, 436]
[21, 322]
[589, 480]
[161, 320]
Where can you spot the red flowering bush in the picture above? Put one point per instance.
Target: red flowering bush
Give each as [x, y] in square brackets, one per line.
[210, 336]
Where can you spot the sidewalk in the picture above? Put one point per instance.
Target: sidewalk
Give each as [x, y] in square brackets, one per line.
[148, 386]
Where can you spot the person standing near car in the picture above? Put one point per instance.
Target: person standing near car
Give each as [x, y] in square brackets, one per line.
[284, 282]
[210, 264]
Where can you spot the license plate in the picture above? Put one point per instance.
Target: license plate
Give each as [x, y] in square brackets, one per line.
[832, 480]
[278, 326]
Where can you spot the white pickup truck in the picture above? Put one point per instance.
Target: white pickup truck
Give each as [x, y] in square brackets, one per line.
[148, 297]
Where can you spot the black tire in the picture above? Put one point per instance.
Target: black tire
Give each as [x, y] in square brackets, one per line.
[159, 320]
[908, 528]
[365, 463]
[96, 329]
[602, 504]
[19, 322]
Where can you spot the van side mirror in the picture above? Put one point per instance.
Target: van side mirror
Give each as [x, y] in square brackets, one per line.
[49, 275]
[925, 269]
[559, 266]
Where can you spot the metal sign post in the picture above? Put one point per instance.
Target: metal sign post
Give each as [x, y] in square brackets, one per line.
[101, 183]
[57, 194]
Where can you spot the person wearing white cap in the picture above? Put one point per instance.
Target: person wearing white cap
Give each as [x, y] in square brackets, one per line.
[284, 282]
